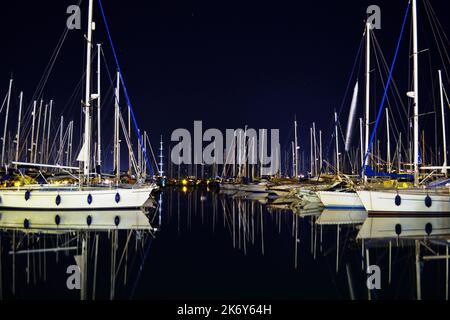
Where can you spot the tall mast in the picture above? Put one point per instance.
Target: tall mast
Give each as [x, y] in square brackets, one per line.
[44, 129]
[312, 153]
[61, 149]
[293, 158]
[315, 149]
[161, 157]
[87, 101]
[99, 132]
[367, 118]
[6, 122]
[144, 164]
[361, 141]
[117, 128]
[444, 139]
[337, 142]
[320, 150]
[388, 142]
[32, 131]
[130, 149]
[416, 94]
[296, 148]
[48, 130]
[38, 130]
[399, 153]
[18, 126]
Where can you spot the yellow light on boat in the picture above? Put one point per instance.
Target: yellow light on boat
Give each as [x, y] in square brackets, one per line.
[184, 182]
[17, 183]
[184, 189]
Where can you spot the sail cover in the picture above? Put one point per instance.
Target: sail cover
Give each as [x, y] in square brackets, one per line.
[351, 118]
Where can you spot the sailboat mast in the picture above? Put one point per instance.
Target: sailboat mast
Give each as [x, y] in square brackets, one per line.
[18, 126]
[388, 136]
[367, 103]
[320, 150]
[293, 158]
[6, 121]
[315, 149]
[296, 149]
[99, 132]
[61, 147]
[48, 131]
[161, 157]
[337, 142]
[312, 153]
[444, 139]
[32, 130]
[117, 129]
[87, 101]
[38, 130]
[416, 94]
[361, 140]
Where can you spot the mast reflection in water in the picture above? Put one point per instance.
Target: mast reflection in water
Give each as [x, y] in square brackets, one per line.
[198, 244]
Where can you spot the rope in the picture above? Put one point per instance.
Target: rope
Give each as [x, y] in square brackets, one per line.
[380, 111]
[124, 87]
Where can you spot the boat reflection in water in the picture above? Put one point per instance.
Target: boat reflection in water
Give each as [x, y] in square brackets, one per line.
[70, 254]
[419, 244]
[223, 245]
[424, 239]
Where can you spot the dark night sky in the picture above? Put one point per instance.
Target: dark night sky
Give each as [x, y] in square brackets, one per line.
[224, 62]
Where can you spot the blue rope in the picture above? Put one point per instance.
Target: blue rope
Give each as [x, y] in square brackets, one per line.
[125, 89]
[380, 111]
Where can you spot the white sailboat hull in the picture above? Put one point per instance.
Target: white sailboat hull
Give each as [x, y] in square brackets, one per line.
[412, 202]
[45, 198]
[340, 200]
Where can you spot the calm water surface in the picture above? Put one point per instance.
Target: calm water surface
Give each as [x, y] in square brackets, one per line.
[206, 245]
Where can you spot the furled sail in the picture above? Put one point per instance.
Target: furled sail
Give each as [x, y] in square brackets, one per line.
[351, 118]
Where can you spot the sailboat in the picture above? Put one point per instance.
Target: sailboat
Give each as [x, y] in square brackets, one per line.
[417, 201]
[82, 195]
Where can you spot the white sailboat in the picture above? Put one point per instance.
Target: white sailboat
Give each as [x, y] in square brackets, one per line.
[415, 201]
[83, 195]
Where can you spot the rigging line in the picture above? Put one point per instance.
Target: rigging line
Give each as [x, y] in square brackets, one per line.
[383, 84]
[434, 19]
[28, 116]
[437, 21]
[48, 69]
[3, 104]
[125, 88]
[446, 97]
[380, 111]
[386, 67]
[437, 42]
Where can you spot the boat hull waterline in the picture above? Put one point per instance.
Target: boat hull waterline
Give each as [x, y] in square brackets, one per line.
[405, 203]
[69, 199]
[340, 200]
